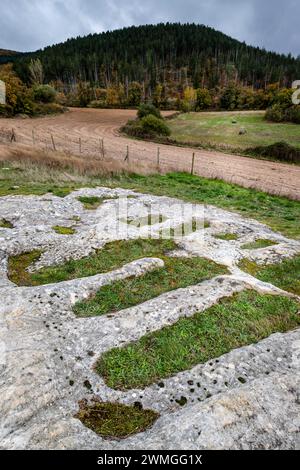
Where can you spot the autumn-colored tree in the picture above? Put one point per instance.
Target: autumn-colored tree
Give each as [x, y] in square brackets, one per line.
[246, 98]
[61, 98]
[284, 97]
[58, 85]
[17, 95]
[84, 93]
[189, 99]
[157, 96]
[203, 99]
[112, 98]
[282, 108]
[36, 72]
[261, 99]
[134, 94]
[100, 94]
[122, 94]
[271, 91]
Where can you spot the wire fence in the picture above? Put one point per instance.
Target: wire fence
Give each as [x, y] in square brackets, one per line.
[152, 156]
[96, 148]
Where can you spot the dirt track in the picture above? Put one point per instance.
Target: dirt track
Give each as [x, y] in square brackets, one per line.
[91, 126]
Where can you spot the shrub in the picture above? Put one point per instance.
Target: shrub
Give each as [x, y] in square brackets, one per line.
[275, 113]
[61, 99]
[248, 99]
[40, 109]
[153, 125]
[134, 129]
[44, 94]
[261, 100]
[84, 93]
[135, 92]
[148, 127]
[279, 113]
[280, 150]
[97, 104]
[230, 97]
[146, 109]
[100, 94]
[284, 98]
[170, 104]
[293, 114]
[184, 107]
[203, 100]
[6, 111]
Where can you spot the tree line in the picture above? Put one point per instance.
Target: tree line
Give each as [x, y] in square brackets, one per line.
[185, 67]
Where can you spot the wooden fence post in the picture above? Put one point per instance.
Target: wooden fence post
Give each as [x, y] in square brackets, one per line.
[158, 158]
[127, 155]
[33, 137]
[193, 164]
[13, 136]
[53, 143]
[103, 149]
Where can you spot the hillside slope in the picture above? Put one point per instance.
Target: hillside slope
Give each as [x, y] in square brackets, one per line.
[176, 53]
[5, 52]
[8, 56]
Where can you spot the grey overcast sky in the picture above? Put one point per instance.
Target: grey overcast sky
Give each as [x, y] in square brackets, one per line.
[27, 25]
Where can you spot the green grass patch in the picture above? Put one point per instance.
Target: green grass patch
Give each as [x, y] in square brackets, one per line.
[64, 230]
[17, 267]
[152, 219]
[5, 224]
[249, 266]
[115, 420]
[285, 275]
[184, 229]
[35, 190]
[91, 203]
[12, 186]
[257, 244]
[177, 273]
[234, 322]
[226, 236]
[111, 256]
[280, 213]
[218, 130]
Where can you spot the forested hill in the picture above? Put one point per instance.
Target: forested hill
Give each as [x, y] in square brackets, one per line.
[7, 56]
[185, 54]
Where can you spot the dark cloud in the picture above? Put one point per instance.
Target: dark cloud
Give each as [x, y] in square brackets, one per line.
[31, 24]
